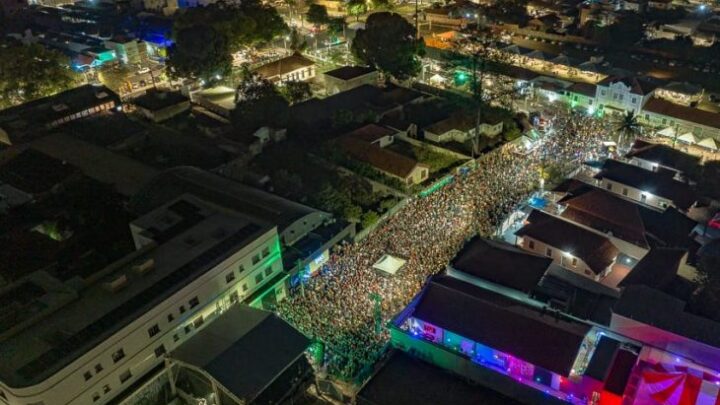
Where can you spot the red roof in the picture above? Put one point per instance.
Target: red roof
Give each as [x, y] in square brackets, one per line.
[681, 112]
[382, 159]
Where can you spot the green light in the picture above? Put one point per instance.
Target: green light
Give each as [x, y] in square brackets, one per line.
[460, 77]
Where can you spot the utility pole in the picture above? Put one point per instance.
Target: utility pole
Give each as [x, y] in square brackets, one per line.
[417, 16]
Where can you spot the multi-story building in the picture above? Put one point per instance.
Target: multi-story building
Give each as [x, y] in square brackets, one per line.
[618, 95]
[85, 340]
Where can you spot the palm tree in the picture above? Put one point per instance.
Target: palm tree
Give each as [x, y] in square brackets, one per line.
[627, 128]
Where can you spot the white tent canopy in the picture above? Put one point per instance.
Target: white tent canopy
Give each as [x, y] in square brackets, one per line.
[669, 132]
[687, 138]
[709, 143]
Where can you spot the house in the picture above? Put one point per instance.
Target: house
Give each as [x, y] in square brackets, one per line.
[654, 188]
[316, 114]
[295, 67]
[393, 164]
[686, 94]
[219, 99]
[375, 135]
[248, 354]
[657, 156]
[460, 127]
[32, 174]
[445, 16]
[573, 247]
[662, 113]
[618, 95]
[157, 105]
[18, 123]
[128, 50]
[348, 77]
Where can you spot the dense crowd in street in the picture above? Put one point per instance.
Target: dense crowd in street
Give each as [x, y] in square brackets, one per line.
[337, 305]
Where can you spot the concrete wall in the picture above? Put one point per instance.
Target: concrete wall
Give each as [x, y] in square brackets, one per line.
[635, 194]
[559, 258]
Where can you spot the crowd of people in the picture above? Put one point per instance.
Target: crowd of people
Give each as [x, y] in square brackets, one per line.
[338, 305]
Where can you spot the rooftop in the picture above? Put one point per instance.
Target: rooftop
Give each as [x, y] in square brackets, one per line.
[595, 250]
[350, 72]
[663, 311]
[657, 269]
[635, 223]
[117, 294]
[690, 114]
[585, 89]
[175, 182]
[155, 100]
[33, 172]
[406, 380]
[284, 66]
[501, 263]
[380, 158]
[38, 113]
[245, 350]
[371, 133]
[658, 183]
[664, 155]
[547, 340]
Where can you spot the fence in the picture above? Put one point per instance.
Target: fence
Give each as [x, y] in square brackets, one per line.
[392, 211]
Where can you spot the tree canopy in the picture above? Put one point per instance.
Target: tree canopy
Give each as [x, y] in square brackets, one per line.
[200, 51]
[205, 37]
[32, 71]
[356, 8]
[258, 104]
[317, 14]
[389, 44]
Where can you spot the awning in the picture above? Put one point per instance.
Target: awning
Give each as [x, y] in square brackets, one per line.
[687, 138]
[669, 132]
[708, 143]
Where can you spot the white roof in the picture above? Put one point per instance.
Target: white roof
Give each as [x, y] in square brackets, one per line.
[389, 264]
[687, 138]
[669, 132]
[708, 143]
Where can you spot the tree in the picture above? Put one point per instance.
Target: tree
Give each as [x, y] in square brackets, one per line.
[245, 23]
[258, 104]
[317, 14]
[336, 26]
[628, 128]
[295, 91]
[369, 218]
[388, 43]
[32, 71]
[297, 41]
[200, 51]
[381, 5]
[356, 8]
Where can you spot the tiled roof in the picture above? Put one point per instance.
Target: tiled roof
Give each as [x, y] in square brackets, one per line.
[371, 133]
[664, 155]
[681, 112]
[660, 184]
[543, 339]
[382, 159]
[284, 66]
[595, 250]
[501, 263]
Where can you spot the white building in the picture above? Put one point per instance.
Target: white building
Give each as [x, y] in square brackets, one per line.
[618, 95]
[86, 340]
